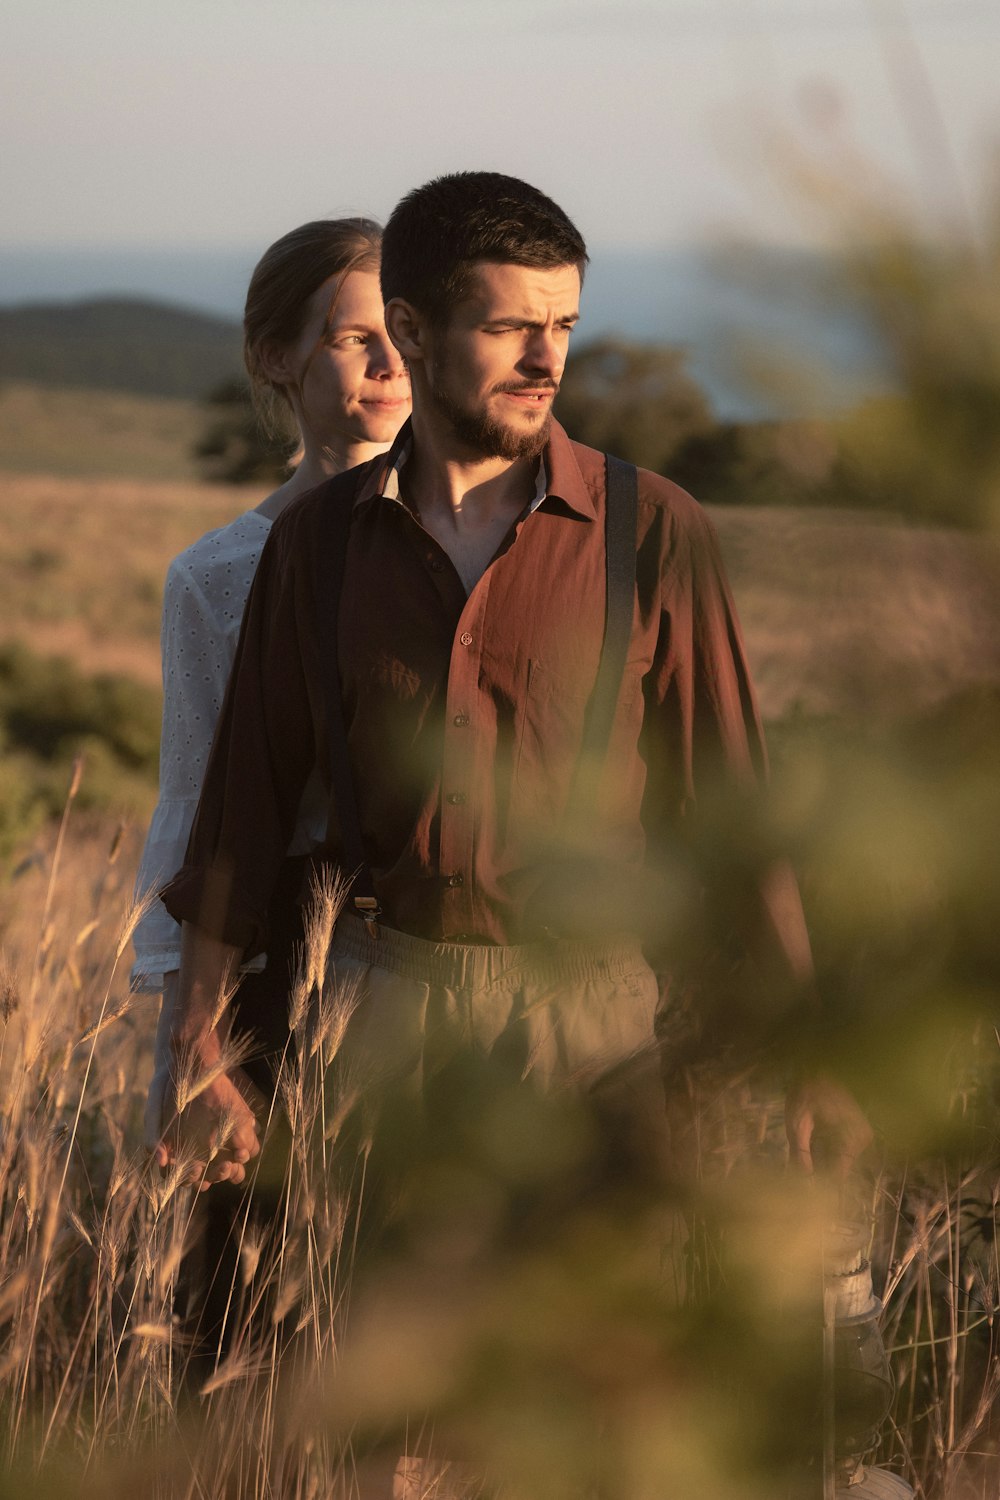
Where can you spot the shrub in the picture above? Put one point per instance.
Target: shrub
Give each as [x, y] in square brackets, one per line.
[233, 448]
[636, 400]
[50, 712]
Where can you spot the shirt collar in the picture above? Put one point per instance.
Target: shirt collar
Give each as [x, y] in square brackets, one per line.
[558, 474]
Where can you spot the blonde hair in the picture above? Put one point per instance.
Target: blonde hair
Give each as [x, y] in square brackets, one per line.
[285, 277]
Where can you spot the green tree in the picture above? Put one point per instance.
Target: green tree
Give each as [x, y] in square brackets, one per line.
[636, 400]
[931, 450]
[234, 448]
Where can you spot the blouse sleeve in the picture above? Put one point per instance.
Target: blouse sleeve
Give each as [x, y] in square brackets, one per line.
[197, 642]
[261, 760]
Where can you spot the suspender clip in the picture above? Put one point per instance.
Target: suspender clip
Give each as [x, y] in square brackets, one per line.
[369, 910]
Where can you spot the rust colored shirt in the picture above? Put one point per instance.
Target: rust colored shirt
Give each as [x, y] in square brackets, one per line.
[465, 714]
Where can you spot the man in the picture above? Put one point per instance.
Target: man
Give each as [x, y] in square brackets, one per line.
[469, 637]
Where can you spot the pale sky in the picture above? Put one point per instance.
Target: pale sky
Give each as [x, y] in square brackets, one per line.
[224, 122]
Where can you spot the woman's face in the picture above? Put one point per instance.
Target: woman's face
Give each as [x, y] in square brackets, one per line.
[352, 384]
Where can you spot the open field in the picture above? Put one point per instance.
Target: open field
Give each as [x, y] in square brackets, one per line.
[74, 432]
[82, 562]
[533, 1359]
[844, 613]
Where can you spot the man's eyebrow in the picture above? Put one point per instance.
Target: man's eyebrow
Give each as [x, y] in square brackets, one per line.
[516, 321]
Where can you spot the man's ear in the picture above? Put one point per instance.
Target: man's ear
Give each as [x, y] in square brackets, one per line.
[275, 363]
[407, 329]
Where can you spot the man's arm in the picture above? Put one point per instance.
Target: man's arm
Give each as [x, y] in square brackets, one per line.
[263, 751]
[823, 1121]
[707, 766]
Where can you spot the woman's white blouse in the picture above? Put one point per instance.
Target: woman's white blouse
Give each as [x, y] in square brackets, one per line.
[203, 599]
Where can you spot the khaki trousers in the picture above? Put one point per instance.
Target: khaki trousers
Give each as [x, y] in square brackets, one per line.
[563, 1012]
[474, 1065]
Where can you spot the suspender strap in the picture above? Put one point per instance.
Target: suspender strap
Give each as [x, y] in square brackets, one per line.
[620, 529]
[331, 561]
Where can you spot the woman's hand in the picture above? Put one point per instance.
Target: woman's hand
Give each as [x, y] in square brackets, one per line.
[200, 1108]
[214, 1133]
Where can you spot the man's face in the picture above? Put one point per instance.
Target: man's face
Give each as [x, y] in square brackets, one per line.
[495, 370]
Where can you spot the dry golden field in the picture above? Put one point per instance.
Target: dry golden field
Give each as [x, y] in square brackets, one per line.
[62, 431]
[844, 612]
[82, 562]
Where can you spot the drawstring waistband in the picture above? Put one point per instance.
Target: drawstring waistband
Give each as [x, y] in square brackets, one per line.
[473, 966]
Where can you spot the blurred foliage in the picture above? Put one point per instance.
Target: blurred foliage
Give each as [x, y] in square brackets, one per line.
[49, 714]
[636, 400]
[933, 449]
[928, 450]
[763, 463]
[233, 447]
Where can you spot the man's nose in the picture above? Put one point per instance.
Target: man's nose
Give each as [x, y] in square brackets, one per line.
[544, 354]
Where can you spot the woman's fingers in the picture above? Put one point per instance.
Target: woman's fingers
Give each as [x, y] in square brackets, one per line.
[218, 1128]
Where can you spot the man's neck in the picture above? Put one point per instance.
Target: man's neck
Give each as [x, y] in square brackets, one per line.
[461, 489]
[468, 503]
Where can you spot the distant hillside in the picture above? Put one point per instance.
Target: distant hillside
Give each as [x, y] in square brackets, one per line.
[118, 344]
[722, 306]
[48, 429]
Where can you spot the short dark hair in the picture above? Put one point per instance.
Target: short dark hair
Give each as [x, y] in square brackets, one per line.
[437, 233]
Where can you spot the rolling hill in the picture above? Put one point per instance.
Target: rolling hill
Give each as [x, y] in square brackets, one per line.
[118, 344]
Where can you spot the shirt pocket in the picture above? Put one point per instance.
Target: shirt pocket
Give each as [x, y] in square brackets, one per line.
[549, 731]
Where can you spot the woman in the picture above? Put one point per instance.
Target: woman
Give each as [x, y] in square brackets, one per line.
[316, 350]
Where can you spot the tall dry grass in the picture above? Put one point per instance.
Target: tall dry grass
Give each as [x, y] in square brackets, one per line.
[100, 1378]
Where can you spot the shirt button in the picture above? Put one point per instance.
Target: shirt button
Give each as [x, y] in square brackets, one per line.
[460, 721]
[457, 799]
[465, 638]
[456, 879]
[437, 566]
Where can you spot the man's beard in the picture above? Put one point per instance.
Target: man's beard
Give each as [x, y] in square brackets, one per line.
[483, 433]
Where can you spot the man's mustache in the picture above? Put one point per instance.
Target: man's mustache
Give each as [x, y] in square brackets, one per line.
[520, 387]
